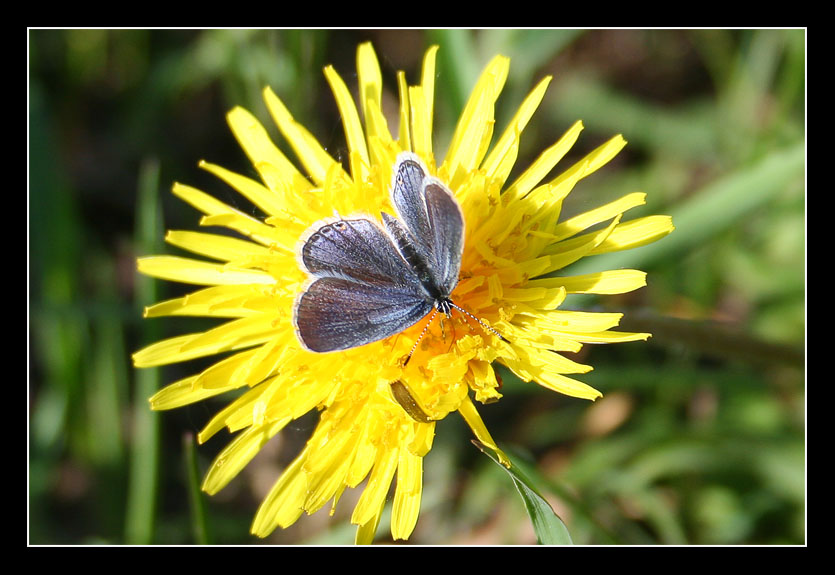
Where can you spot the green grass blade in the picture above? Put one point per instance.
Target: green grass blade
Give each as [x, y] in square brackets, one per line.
[199, 523]
[549, 528]
[142, 485]
[106, 373]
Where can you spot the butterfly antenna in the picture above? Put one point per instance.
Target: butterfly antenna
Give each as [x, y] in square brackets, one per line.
[481, 323]
[420, 337]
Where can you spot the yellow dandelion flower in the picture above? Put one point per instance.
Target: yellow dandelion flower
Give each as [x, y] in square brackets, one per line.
[377, 412]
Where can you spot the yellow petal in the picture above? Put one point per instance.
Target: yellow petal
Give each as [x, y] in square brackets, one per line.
[575, 321]
[354, 135]
[503, 156]
[224, 248]
[364, 455]
[198, 272]
[216, 301]
[543, 164]
[371, 101]
[607, 282]
[421, 442]
[222, 374]
[181, 393]
[473, 419]
[407, 496]
[241, 408]
[365, 532]
[370, 88]
[268, 201]
[237, 454]
[604, 153]
[587, 219]
[237, 221]
[427, 84]
[374, 495]
[404, 136]
[260, 149]
[311, 154]
[475, 127]
[636, 233]
[551, 380]
[563, 257]
[612, 337]
[283, 505]
[421, 123]
[233, 335]
[327, 478]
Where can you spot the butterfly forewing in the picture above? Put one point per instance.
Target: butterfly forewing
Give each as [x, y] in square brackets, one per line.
[433, 219]
[355, 248]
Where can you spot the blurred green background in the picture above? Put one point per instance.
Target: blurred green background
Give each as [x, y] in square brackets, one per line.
[700, 435]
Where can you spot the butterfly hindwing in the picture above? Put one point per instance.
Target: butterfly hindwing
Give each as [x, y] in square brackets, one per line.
[362, 290]
[335, 313]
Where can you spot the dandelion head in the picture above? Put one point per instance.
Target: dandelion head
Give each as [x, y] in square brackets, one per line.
[381, 380]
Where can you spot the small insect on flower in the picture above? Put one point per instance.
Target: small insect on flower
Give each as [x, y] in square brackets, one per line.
[372, 283]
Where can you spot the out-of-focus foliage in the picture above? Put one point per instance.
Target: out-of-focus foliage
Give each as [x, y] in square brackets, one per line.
[699, 438]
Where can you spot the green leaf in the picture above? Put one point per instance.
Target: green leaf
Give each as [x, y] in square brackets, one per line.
[140, 515]
[549, 528]
[199, 521]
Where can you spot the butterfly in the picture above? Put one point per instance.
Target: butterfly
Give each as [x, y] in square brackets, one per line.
[368, 282]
